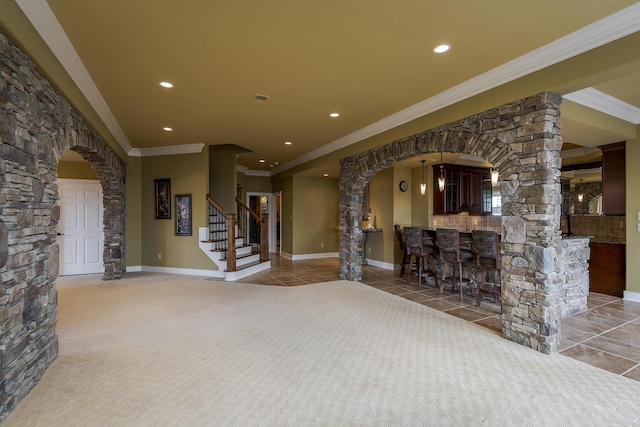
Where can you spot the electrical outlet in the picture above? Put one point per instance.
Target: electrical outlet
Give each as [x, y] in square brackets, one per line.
[159, 256]
[639, 226]
[369, 250]
[322, 245]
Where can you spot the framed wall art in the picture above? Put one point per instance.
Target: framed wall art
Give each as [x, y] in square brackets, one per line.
[183, 214]
[163, 198]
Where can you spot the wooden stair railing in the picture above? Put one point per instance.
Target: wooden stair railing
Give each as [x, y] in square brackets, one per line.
[255, 229]
[222, 226]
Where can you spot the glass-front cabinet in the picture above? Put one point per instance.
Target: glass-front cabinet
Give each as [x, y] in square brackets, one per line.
[467, 189]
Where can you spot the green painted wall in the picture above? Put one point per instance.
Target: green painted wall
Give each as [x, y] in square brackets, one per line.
[420, 204]
[379, 246]
[188, 176]
[76, 170]
[286, 223]
[315, 215]
[222, 179]
[632, 153]
[257, 184]
[134, 212]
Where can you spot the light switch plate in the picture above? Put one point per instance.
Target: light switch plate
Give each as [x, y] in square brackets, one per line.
[638, 216]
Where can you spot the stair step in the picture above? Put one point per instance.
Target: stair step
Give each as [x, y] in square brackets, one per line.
[238, 257]
[250, 264]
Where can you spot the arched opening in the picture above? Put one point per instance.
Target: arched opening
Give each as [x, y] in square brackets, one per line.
[522, 140]
[110, 172]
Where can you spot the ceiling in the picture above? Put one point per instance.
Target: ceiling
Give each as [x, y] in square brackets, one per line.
[371, 61]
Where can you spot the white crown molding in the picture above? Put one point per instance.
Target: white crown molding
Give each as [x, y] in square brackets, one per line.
[607, 104]
[598, 33]
[169, 150]
[46, 24]
[250, 172]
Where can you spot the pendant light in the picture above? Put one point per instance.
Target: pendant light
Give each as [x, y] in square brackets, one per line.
[580, 194]
[423, 186]
[441, 178]
[494, 177]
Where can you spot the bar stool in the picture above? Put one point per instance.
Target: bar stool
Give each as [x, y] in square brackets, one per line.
[486, 245]
[452, 254]
[430, 245]
[418, 253]
[403, 247]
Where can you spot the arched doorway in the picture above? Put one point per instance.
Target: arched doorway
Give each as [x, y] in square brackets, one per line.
[522, 140]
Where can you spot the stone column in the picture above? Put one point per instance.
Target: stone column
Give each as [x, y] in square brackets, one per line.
[531, 209]
[351, 197]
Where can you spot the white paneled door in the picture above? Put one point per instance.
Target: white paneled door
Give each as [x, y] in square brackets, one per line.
[80, 233]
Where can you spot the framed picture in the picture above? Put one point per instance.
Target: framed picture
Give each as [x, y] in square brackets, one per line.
[183, 214]
[163, 198]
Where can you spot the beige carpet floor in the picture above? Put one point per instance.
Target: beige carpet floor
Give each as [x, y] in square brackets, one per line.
[164, 350]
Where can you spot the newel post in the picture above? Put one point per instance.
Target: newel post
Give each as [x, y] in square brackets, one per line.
[264, 237]
[231, 242]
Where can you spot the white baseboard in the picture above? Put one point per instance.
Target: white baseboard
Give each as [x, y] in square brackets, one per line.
[631, 296]
[134, 268]
[313, 256]
[381, 264]
[173, 270]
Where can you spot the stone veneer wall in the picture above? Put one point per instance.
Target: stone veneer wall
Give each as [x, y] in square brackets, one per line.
[37, 125]
[522, 140]
[573, 262]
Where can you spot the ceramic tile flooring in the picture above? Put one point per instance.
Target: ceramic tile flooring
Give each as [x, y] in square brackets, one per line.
[607, 335]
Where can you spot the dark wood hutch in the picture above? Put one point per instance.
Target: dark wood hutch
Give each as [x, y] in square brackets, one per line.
[467, 189]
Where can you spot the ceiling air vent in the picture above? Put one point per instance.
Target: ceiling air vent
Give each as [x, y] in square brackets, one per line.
[259, 99]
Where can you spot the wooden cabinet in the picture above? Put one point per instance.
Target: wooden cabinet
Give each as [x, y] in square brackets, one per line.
[613, 179]
[607, 268]
[467, 189]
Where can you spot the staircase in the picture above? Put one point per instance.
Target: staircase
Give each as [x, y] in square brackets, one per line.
[230, 244]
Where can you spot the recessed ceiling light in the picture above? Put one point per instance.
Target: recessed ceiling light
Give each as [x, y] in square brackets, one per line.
[334, 115]
[168, 129]
[326, 174]
[166, 84]
[441, 48]
[262, 160]
[288, 143]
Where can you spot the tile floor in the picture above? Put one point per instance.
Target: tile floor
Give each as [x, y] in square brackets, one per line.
[607, 335]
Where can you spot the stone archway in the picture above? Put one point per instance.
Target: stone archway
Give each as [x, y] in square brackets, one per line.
[37, 125]
[522, 140]
[111, 171]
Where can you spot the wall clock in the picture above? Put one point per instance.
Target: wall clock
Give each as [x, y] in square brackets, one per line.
[403, 185]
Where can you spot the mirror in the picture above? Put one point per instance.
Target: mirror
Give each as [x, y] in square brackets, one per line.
[581, 180]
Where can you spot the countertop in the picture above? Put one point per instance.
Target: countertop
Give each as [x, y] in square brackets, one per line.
[575, 236]
[596, 239]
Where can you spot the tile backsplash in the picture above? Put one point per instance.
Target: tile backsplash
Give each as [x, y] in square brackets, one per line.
[467, 222]
[603, 228]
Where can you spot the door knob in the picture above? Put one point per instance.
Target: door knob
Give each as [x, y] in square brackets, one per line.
[59, 234]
